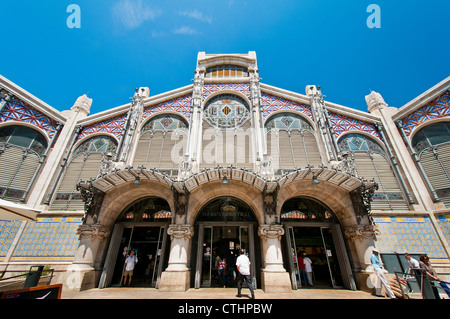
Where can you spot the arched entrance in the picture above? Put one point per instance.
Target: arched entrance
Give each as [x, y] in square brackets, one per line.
[312, 230]
[222, 227]
[142, 228]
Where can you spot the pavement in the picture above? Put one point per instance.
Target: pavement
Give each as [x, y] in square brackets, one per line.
[214, 293]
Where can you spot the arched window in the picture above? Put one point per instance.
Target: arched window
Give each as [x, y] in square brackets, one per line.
[226, 136]
[162, 143]
[302, 209]
[84, 165]
[21, 150]
[291, 142]
[371, 162]
[147, 210]
[432, 143]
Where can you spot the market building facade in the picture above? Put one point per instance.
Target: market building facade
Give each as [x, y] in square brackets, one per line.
[225, 163]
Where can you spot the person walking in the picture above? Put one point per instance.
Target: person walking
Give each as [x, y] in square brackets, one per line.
[413, 263]
[430, 272]
[243, 268]
[231, 261]
[302, 268]
[308, 269]
[381, 279]
[130, 262]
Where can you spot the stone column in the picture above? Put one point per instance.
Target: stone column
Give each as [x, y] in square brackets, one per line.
[363, 238]
[176, 277]
[82, 274]
[274, 277]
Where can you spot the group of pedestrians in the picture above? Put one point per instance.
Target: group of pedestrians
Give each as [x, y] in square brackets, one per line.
[420, 269]
[305, 267]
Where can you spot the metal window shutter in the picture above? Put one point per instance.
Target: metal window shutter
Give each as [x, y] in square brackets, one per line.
[10, 161]
[79, 168]
[298, 148]
[154, 150]
[16, 171]
[243, 148]
[437, 169]
[286, 158]
[312, 149]
[143, 150]
[166, 161]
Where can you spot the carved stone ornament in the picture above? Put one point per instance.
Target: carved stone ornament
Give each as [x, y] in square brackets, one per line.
[362, 232]
[180, 231]
[362, 198]
[271, 231]
[82, 105]
[95, 231]
[375, 101]
[93, 200]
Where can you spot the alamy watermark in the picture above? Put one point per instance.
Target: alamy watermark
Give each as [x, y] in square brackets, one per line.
[74, 19]
[374, 19]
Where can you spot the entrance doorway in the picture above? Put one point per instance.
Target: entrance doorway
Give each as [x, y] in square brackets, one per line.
[147, 244]
[315, 243]
[312, 231]
[224, 226]
[142, 228]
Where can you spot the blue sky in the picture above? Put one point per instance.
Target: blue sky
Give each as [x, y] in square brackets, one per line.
[123, 44]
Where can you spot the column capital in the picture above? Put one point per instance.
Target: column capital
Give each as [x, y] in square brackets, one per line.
[180, 231]
[361, 232]
[95, 231]
[271, 231]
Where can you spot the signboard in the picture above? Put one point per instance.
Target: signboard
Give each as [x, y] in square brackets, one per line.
[41, 292]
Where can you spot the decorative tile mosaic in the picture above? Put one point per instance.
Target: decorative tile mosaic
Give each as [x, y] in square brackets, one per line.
[113, 126]
[243, 88]
[16, 110]
[438, 108]
[48, 239]
[342, 123]
[444, 223]
[271, 103]
[180, 105]
[8, 231]
[410, 234]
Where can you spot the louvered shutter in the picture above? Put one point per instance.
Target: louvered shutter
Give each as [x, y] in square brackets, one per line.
[312, 149]
[80, 168]
[389, 195]
[436, 164]
[17, 169]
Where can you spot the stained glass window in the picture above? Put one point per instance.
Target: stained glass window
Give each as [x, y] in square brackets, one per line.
[165, 122]
[97, 144]
[288, 121]
[359, 142]
[433, 134]
[226, 111]
[23, 136]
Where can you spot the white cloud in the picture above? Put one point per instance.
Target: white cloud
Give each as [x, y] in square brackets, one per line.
[197, 15]
[132, 13]
[186, 31]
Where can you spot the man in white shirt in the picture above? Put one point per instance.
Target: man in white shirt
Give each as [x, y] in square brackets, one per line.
[243, 268]
[308, 268]
[413, 263]
[129, 267]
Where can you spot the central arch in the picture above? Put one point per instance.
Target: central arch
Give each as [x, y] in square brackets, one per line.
[224, 225]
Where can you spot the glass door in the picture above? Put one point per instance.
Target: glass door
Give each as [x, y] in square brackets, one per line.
[147, 243]
[332, 261]
[221, 242]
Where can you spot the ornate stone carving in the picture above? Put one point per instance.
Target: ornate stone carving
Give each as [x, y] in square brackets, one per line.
[180, 201]
[270, 201]
[95, 231]
[107, 165]
[362, 232]
[271, 231]
[362, 198]
[180, 231]
[82, 105]
[93, 200]
[375, 101]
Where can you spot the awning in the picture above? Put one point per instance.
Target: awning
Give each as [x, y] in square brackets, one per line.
[13, 211]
